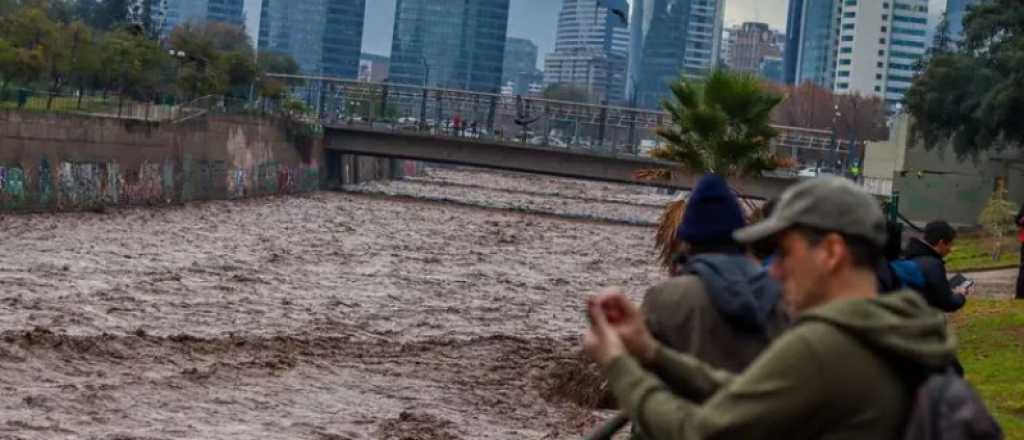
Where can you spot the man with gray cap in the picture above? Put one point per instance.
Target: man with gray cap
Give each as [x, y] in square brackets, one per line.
[835, 374]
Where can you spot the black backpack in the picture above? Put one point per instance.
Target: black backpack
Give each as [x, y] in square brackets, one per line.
[945, 406]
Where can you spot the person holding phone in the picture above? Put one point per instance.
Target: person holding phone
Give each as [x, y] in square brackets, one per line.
[929, 253]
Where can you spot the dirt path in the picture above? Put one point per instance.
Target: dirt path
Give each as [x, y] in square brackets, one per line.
[328, 316]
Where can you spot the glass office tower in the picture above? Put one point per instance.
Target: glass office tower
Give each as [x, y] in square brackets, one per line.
[457, 44]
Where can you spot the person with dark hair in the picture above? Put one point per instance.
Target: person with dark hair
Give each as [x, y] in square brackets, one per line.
[720, 305]
[928, 253]
[888, 280]
[838, 373]
[1020, 237]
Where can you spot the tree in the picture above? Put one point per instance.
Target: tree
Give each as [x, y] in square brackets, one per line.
[218, 59]
[811, 106]
[997, 219]
[720, 125]
[972, 98]
[274, 62]
[567, 92]
[133, 63]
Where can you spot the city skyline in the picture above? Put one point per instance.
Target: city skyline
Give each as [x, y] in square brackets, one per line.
[536, 20]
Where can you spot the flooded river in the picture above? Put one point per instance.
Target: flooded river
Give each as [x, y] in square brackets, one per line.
[447, 306]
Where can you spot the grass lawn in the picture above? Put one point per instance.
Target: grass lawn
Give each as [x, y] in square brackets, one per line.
[991, 335]
[972, 253]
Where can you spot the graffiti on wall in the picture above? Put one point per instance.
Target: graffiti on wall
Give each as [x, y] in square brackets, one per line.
[12, 187]
[84, 185]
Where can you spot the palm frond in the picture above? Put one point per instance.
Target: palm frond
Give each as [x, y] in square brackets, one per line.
[665, 238]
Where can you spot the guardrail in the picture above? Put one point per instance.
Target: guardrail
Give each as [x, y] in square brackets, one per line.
[526, 120]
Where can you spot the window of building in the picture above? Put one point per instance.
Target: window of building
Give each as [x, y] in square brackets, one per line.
[848, 26]
[844, 73]
[849, 14]
[885, 29]
[881, 41]
[881, 65]
[844, 62]
[881, 52]
[843, 86]
[878, 88]
[851, 2]
[885, 17]
[847, 38]
[845, 50]
[878, 76]
[903, 19]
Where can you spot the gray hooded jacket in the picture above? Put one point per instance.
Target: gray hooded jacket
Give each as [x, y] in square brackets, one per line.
[725, 311]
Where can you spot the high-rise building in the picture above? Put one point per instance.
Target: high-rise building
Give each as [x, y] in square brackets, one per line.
[324, 36]
[457, 44]
[772, 69]
[811, 40]
[373, 68]
[590, 51]
[880, 44]
[520, 68]
[956, 10]
[670, 38]
[753, 42]
[175, 12]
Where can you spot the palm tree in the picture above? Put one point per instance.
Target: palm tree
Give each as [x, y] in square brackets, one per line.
[720, 125]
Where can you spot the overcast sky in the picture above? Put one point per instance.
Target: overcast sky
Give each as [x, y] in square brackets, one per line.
[536, 20]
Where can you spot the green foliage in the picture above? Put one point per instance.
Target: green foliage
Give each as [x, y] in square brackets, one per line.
[219, 59]
[990, 336]
[997, 219]
[132, 63]
[974, 96]
[275, 62]
[975, 253]
[720, 125]
[90, 45]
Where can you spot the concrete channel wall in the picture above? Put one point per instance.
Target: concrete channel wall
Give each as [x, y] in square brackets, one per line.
[56, 162]
[66, 162]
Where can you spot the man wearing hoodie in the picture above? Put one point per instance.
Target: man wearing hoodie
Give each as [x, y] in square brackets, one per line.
[838, 373]
[724, 308]
[929, 253]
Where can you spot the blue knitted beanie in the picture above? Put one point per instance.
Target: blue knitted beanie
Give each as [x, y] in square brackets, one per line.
[712, 213]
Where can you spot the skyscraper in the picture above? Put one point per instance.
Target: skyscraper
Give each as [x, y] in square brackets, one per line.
[175, 12]
[880, 44]
[753, 42]
[324, 36]
[670, 38]
[794, 27]
[811, 40]
[956, 10]
[520, 68]
[590, 51]
[458, 44]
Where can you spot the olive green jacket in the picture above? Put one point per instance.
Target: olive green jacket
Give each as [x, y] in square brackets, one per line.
[826, 378]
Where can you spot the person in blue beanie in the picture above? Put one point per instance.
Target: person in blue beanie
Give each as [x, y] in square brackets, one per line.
[722, 307]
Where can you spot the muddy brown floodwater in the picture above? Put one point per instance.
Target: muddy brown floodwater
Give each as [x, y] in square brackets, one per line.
[444, 307]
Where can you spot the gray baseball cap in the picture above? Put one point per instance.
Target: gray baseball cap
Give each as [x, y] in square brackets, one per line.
[829, 203]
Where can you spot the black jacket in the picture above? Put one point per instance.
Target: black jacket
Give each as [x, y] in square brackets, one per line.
[936, 289]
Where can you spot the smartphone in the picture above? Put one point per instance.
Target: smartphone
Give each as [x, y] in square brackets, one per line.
[959, 280]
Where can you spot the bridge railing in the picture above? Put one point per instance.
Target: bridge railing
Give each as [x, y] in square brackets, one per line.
[524, 120]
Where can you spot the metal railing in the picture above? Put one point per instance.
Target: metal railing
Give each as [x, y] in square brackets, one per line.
[532, 121]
